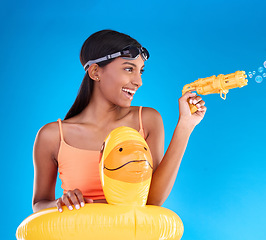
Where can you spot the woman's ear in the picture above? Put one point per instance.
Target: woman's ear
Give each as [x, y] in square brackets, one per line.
[93, 72]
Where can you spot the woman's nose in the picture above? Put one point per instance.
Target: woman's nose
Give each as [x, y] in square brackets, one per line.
[137, 80]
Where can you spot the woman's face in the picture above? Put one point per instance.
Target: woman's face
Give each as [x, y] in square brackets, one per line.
[120, 79]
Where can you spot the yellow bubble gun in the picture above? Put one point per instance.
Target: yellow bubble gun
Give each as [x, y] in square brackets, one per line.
[220, 84]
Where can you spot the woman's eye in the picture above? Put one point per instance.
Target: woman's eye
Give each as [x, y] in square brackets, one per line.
[129, 69]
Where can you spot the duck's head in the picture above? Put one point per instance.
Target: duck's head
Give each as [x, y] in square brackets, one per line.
[125, 167]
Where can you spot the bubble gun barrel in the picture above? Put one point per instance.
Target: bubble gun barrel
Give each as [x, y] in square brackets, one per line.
[220, 84]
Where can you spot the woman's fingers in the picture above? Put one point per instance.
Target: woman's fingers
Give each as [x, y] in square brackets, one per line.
[187, 95]
[202, 109]
[59, 205]
[72, 197]
[80, 199]
[200, 104]
[88, 200]
[195, 100]
[66, 201]
[190, 114]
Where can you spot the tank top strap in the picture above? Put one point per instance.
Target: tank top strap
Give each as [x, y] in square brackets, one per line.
[60, 129]
[141, 131]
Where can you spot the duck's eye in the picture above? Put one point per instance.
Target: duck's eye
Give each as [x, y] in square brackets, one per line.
[145, 149]
[120, 149]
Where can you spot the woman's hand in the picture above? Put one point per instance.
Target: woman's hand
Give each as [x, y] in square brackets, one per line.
[184, 110]
[72, 197]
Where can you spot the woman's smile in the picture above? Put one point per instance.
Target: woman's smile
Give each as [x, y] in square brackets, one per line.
[129, 93]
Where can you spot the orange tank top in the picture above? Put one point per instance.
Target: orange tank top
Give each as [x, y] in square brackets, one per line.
[79, 168]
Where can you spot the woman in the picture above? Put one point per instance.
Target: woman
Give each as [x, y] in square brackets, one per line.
[114, 63]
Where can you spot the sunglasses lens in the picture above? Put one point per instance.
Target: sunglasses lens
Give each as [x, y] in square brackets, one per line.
[133, 52]
[144, 53]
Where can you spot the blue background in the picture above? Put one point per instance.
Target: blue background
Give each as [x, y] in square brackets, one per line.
[220, 191]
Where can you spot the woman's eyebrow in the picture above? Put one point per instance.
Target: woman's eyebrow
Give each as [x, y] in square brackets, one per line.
[132, 64]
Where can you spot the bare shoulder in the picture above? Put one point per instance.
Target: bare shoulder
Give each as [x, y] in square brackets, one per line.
[48, 139]
[150, 114]
[152, 119]
[49, 131]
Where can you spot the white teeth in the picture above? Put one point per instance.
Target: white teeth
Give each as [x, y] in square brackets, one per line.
[128, 90]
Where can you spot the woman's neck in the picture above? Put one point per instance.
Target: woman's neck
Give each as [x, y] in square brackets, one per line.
[102, 112]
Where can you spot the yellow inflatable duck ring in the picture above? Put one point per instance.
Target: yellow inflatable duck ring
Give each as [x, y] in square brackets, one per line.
[125, 171]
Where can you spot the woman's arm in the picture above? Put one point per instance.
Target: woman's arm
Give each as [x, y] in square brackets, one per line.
[45, 153]
[166, 167]
[45, 168]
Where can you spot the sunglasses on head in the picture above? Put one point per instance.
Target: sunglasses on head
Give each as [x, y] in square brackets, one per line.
[129, 52]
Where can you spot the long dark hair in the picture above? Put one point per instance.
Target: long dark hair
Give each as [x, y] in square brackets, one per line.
[97, 45]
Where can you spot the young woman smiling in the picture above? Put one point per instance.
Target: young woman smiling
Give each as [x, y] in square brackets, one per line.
[113, 63]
